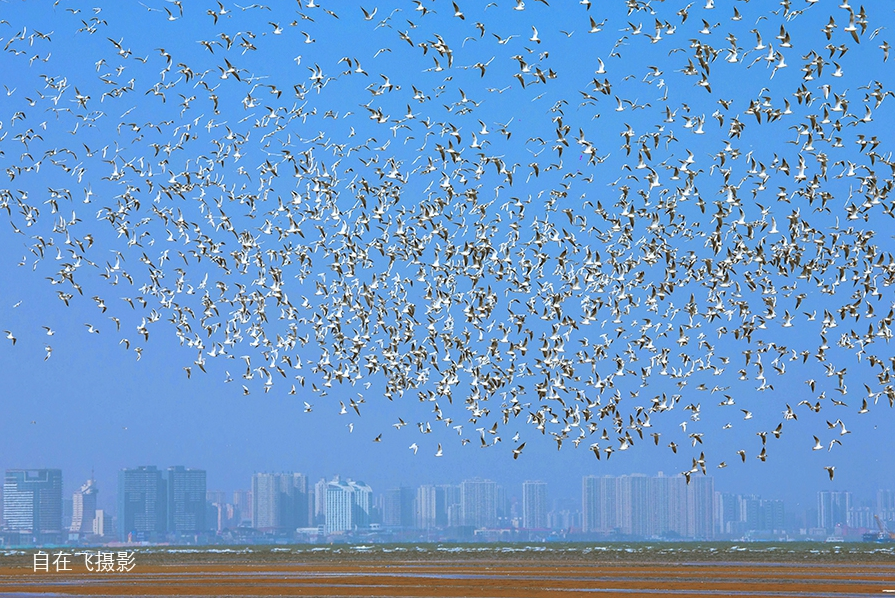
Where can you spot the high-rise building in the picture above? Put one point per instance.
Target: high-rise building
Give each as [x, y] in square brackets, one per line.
[84, 508]
[242, 506]
[885, 505]
[398, 507]
[478, 503]
[142, 504]
[431, 511]
[668, 517]
[832, 509]
[599, 501]
[186, 500]
[279, 502]
[32, 503]
[633, 505]
[642, 506]
[534, 505]
[348, 505]
[700, 508]
[320, 501]
[452, 513]
[727, 514]
[102, 523]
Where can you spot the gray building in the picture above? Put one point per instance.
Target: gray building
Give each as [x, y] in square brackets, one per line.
[280, 502]
[641, 506]
[84, 508]
[478, 503]
[832, 509]
[534, 505]
[32, 503]
[142, 504]
[186, 489]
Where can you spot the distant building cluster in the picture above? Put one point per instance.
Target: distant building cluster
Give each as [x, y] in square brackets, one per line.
[648, 507]
[174, 506]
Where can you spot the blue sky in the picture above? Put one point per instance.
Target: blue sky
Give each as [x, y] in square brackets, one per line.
[439, 201]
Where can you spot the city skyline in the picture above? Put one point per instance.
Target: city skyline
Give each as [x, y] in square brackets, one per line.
[568, 488]
[674, 281]
[175, 505]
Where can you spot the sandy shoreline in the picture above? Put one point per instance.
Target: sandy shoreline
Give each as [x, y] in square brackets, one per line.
[400, 575]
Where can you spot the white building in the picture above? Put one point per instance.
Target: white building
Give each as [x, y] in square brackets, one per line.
[348, 505]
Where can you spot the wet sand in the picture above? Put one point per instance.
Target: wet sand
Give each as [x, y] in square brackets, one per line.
[405, 575]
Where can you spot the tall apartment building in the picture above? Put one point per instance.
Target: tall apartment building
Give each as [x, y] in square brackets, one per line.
[242, 507]
[279, 502]
[832, 509]
[84, 508]
[142, 504]
[186, 493]
[643, 506]
[320, 501]
[32, 503]
[885, 505]
[453, 514]
[399, 507]
[348, 505]
[700, 512]
[478, 503]
[430, 507]
[534, 505]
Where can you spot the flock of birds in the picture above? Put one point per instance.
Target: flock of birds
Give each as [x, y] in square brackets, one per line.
[580, 217]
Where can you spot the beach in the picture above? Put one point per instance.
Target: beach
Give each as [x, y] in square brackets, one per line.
[495, 572]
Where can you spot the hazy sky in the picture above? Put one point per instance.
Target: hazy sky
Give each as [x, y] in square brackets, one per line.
[439, 200]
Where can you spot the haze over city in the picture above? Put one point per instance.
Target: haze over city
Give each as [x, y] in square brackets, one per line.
[238, 243]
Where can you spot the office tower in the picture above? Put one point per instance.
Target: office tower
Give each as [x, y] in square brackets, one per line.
[84, 508]
[142, 504]
[279, 502]
[348, 505]
[534, 505]
[832, 509]
[478, 503]
[186, 500]
[32, 503]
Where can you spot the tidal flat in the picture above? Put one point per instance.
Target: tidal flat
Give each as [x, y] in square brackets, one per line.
[479, 570]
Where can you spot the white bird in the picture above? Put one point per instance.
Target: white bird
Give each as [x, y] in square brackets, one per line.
[414, 447]
[534, 35]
